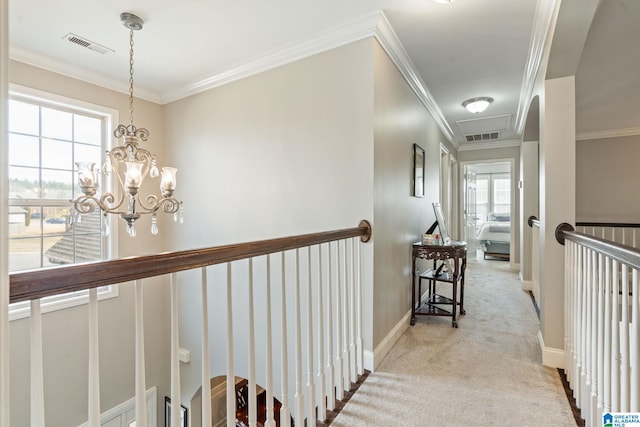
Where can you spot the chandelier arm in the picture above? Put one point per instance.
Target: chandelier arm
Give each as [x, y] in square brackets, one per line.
[108, 204]
[151, 205]
[169, 205]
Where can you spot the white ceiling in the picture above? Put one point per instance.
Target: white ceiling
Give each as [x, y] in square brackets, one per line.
[461, 50]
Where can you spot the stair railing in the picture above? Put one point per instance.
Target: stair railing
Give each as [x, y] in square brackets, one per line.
[333, 304]
[602, 324]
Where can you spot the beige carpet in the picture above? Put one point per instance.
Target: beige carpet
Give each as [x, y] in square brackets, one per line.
[487, 372]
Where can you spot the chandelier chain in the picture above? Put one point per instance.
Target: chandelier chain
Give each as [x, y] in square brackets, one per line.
[131, 77]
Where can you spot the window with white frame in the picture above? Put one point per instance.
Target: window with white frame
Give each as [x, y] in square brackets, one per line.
[47, 135]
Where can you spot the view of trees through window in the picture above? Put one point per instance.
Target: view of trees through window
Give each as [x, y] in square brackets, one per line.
[45, 141]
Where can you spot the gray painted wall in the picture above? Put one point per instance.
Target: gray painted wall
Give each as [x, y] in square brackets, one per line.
[607, 177]
[400, 219]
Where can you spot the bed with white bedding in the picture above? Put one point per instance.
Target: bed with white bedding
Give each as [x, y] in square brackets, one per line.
[495, 235]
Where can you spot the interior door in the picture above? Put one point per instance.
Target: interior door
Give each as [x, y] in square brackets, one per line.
[470, 211]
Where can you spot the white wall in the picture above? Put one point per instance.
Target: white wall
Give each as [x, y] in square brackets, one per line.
[285, 152]
[65, 332]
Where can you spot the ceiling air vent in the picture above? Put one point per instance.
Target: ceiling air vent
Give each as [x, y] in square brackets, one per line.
[488, 136]
[81, 41]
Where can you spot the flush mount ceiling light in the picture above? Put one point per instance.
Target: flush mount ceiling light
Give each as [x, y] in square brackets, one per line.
[130, 164]
[477, 105]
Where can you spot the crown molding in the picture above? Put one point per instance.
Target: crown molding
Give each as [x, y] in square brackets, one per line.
[609, 133]
[353, 31]
[489, 145]
[386, 36]
[59, 67]
[545, 15]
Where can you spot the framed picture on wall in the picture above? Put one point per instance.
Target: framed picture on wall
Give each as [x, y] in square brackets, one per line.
[167, 414]
[418, 171]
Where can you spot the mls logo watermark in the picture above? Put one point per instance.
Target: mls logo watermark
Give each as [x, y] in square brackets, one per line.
[621, 419]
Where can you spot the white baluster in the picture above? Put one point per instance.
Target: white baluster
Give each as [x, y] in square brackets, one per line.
[270, 419]
[298, 397]
[231, 377]
[581, 340]
[205, 368]
[338, 327]
[352, 315]
[176, 399]
[606, 407]
[252, 402]
[634, 396]
[615, 338]
[593, 328]
[311, 396]
[37, 371]
[141, 387]
[345, 321]
[94, 361]
[331, 390]
[321, 397]
[599, 373]
[624, 342]
[568, 279]
[359, 343]
[285, 412]
[586, 398]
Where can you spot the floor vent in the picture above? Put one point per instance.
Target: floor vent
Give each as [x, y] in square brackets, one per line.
[88, 44]
[488, 136]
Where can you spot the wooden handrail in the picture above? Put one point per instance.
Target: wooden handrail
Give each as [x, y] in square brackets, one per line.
[41, 283]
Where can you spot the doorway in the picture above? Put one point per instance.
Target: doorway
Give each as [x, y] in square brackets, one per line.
[488, 206]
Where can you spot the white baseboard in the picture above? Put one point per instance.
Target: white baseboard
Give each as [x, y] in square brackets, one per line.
[124, 407]
[373, 359]
[551, 357]
[527, 285]
[514, 266]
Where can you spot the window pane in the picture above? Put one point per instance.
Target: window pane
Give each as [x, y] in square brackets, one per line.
[23, 150]
[24, 254]
[23, 117]
[56, 124]
[87, 129]
[57, 154]
[24, 183]
[87, 153]
[56, 184]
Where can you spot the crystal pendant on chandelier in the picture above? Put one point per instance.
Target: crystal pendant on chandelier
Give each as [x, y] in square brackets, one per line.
[129, 165]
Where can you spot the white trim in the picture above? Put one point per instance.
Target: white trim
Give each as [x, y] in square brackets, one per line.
[515, 266]
[527, 285]
[372, 360]
[489, 145]
[386, 36]
[60, 302]
[609, 133]
[124, 407]
[353, 31]
[551, 357]
[91, 77]
[544, 17]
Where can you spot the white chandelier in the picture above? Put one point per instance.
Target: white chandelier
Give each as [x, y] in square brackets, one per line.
[131, 165]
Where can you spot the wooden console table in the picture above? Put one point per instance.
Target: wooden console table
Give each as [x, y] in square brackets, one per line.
[434, 304]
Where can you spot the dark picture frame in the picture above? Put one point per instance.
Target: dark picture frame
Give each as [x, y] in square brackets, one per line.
[418, 171]
[184, 414]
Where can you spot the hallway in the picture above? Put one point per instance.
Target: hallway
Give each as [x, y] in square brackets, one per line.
[487, 372]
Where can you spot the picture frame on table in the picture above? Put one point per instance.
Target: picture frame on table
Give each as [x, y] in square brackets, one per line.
[418, 171]
[167, 414]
